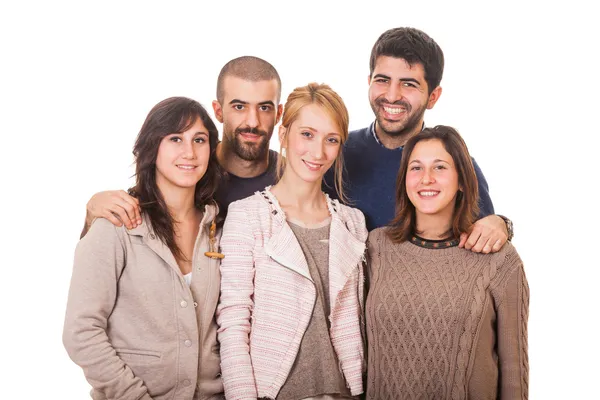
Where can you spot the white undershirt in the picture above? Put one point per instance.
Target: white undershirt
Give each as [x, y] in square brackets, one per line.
[188, 278]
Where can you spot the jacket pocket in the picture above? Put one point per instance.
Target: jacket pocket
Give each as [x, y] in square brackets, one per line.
[135, 356]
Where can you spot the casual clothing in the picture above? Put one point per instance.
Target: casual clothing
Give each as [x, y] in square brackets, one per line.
[232, 187]
[370, 178]
[315, 370]
[445, 323]
[134, 325]
[268, 296]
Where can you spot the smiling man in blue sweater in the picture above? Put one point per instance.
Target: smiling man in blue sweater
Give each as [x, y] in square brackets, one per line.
[406, 68]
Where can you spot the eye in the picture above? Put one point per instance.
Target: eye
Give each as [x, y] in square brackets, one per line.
[382, 80]
[440, 167]
[265, 107]
[415, 168]
[238, 107]
[175, 139]
[409, 84]
[200, 139]
[333, 140]
[306, 134]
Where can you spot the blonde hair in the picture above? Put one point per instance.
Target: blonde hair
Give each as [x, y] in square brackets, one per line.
[331, 102]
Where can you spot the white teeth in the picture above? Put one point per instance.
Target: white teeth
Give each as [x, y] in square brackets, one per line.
[428, 194]
[394, 110]
[188, 167]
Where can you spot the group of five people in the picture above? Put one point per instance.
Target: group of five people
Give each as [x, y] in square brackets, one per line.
[367, 263]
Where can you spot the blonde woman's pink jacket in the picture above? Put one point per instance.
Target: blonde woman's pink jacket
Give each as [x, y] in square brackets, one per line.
[267, 296]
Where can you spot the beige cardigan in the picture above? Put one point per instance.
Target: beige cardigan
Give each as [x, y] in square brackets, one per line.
[134, 326]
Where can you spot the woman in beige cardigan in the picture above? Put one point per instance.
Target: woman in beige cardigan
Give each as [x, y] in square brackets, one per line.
[442, 322]
[140, 313]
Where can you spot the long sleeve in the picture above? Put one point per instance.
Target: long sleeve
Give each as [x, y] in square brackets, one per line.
[99, 261]
[512, 314]
[486, 207]
[236, 305]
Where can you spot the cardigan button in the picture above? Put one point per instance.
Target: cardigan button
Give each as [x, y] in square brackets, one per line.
[187, 382]
[152, 236]
[183, 304]
[195, 304]
[188, 343]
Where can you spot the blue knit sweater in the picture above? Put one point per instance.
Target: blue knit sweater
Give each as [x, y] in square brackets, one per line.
[370, 178]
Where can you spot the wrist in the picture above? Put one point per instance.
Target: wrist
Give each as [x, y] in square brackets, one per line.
[509, 226]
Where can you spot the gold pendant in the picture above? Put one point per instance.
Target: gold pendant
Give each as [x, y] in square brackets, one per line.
[211, 241]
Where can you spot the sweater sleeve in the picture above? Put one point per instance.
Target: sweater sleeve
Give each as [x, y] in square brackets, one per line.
[236, 305]
[512, 303]
[99, 261]
[485, 201]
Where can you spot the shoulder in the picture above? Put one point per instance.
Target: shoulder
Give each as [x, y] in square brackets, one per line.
[103, 235]
[353, 217]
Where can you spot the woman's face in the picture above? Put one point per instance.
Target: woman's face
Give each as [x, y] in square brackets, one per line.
[312, 143]
[432, 179]
[183, 158]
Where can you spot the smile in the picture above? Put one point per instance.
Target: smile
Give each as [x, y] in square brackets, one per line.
[393, 110]
[186, 167]
[312, 166]
[428, 193]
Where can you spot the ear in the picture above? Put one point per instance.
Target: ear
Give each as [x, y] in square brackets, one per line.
[282, 136]
[279, 113]
[433, 97]
[369, 80]
[218, 110]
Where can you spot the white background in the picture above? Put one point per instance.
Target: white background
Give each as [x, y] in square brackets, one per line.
[77, 80]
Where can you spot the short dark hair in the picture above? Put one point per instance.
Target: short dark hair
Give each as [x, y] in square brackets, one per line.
[415, 47]
[249, 68]
[175, 114]
[466, 208]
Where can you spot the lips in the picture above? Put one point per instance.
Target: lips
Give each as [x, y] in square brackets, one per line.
[394, 111]
[312, 166]
[428, 194]
[186, 167]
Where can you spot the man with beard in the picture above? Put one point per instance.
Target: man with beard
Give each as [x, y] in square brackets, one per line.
[248, 96]
[406, 68]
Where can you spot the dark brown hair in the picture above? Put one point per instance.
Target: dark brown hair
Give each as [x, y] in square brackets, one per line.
[466, 208]
[173, 115]
[248, 68]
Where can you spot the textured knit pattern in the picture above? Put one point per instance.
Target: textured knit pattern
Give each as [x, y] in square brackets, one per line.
[315, 370]
[445, 323]
[370, 179]
[267, 296]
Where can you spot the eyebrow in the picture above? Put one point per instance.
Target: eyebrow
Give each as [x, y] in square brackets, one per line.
[262, 103]
[401, 79]
[314, 130]
[436, 160]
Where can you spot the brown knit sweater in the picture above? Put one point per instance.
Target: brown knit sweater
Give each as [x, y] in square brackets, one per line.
[445, 323]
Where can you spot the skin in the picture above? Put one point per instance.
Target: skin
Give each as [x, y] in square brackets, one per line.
[249, 112]
[432, 186]
[312, 144]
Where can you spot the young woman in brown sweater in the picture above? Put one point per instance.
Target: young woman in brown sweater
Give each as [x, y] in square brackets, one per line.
[442, 322]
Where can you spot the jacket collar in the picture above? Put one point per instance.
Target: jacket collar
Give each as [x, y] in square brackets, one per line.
[345, 250]
[156, 245]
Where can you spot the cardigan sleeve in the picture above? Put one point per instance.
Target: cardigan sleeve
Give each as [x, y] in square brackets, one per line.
[236, 304]
[99, 260]
[512, 308]
[486, 207]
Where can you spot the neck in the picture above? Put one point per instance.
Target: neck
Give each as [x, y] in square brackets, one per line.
[180, 201]
[237, 166]
[291, 191]
[397, 140]
[433, 227]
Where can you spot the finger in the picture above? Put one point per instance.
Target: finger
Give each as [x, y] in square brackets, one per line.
[463, 240]
[473, 238]
[112, 218]
[134, 208]
[487, 247]
[124, 212]
[478, 247]
[498, 245]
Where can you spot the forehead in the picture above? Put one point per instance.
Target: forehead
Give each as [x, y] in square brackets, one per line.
[432, 149]
[316, 117]
[398, 67]
[252, 92]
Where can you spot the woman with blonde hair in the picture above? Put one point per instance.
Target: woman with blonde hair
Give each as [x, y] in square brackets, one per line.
[442, 322]
[290, 312]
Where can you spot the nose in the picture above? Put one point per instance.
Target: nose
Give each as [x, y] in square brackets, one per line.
[427, 178]
[188, 150]
[394, 93]
[252, 117]
[318, 150]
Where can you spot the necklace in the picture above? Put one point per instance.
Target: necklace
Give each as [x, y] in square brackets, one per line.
[434, 244]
